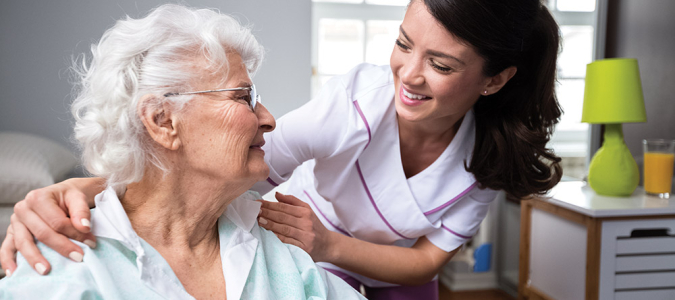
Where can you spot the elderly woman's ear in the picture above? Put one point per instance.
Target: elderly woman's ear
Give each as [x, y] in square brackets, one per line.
[159, 121]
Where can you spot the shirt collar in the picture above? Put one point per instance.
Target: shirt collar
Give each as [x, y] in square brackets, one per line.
[243, 211]
[112, 221]
[109, 220]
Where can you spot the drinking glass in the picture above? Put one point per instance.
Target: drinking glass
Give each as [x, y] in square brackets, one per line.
[659, 159]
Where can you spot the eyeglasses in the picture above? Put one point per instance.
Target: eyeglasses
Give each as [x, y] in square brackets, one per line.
[252, 99]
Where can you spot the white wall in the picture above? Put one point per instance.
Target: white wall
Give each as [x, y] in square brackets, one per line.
[38, 38]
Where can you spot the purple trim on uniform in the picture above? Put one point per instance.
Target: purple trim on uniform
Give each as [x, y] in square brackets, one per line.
[428, 291]
[353, 282]
[452, 200]
[363, 117]
[455, 233]
[272, 181]
[358, 169]
[324, 216]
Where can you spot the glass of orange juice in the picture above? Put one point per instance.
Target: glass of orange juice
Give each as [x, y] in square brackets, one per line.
[658, 166]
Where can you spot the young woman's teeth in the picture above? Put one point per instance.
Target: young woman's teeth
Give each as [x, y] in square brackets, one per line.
[413, 96]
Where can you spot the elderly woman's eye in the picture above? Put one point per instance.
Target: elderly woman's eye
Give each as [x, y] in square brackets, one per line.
[245, 99]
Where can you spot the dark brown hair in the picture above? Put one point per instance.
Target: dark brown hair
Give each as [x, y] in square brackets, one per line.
[514, 124]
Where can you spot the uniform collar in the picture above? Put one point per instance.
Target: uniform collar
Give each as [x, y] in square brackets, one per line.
[109, 220]
[432, 191]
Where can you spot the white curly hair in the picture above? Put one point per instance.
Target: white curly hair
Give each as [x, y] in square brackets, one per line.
[146, 56]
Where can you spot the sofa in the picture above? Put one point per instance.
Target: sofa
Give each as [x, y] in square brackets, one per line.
[29, 162]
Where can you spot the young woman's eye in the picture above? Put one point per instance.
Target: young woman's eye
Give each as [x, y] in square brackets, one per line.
[440, 68]
[401, 45]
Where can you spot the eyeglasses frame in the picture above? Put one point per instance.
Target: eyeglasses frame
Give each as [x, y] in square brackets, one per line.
[255, 98]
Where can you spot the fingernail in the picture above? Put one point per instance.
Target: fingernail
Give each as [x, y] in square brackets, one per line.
[85, 223]
[260, 212]
[262, 221]
[8, 272]
[90, 243]
[40, 268]
[76, 256]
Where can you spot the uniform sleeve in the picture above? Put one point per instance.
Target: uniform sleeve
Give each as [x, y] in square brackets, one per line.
[461, 221]
[67, 280]
[315, 130]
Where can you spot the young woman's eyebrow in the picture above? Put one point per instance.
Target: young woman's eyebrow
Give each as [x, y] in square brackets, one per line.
[431, 52]
[443, 55]
[400, 28]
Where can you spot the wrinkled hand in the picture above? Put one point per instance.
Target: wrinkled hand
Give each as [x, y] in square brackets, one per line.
[294, 222]
[43, 214]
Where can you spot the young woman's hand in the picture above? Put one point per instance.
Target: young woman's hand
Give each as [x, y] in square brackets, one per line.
[44, 214]
[294, 222]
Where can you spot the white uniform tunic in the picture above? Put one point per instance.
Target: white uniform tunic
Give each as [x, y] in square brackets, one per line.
[343, 151]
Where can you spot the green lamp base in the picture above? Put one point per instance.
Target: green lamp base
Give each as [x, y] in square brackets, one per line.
[613, 171]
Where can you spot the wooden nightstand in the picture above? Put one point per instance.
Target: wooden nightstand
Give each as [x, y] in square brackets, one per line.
[576, 245]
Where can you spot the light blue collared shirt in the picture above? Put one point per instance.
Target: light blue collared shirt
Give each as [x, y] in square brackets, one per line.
[256, 264]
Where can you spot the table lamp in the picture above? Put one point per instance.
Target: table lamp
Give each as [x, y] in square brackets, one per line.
[612, 96]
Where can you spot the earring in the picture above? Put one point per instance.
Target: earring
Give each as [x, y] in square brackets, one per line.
[485, 92]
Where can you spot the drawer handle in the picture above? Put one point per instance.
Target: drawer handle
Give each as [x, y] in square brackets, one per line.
[656, 232]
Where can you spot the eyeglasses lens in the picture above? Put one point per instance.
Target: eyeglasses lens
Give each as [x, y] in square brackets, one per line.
[255, 98]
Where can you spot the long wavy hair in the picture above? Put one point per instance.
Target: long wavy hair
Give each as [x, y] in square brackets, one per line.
[514, 124]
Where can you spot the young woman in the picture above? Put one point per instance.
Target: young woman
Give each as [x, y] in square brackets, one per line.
[393, 167]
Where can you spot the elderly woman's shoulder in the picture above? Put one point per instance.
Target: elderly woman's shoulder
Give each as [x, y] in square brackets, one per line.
[278, 269]
[66, 280]
[293, 272]
[103, 274]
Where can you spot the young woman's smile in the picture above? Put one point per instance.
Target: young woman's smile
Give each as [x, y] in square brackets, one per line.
[412, 99]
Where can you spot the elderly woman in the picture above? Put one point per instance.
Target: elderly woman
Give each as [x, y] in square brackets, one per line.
[168, 115]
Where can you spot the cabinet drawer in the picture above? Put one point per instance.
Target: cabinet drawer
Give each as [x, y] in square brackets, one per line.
[637, 259]
[646, 295]
[645, 263]
[645, 245]
[645, 280]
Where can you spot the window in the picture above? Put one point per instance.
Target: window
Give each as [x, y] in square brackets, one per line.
[348, 32]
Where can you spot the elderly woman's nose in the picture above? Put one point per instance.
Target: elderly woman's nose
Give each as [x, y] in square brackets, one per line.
[265, 118]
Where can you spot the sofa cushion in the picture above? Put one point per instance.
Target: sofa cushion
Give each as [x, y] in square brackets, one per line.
[29, 162]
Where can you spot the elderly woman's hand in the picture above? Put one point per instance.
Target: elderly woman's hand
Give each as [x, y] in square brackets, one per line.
[294, 222]
[44, 213]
